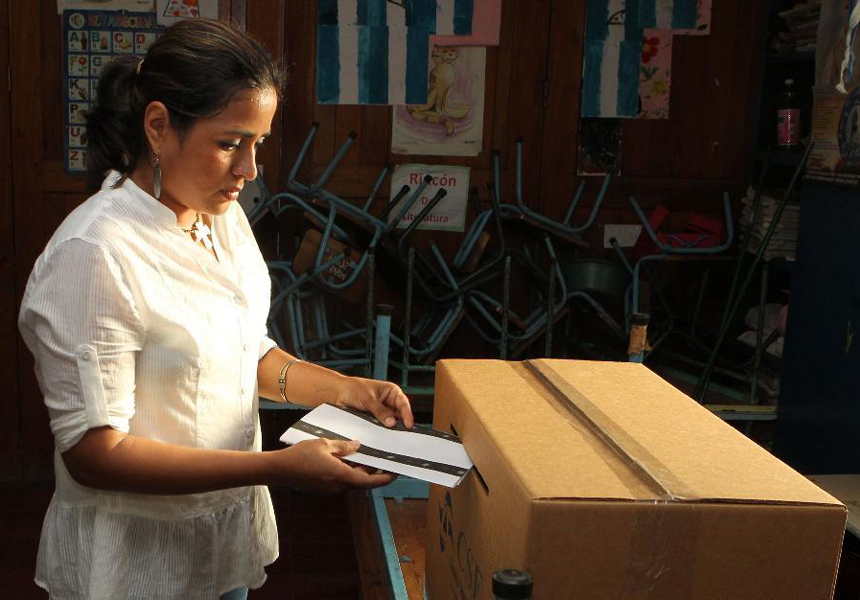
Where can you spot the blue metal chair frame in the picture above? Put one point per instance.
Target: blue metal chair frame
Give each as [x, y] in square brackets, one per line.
[668, 252]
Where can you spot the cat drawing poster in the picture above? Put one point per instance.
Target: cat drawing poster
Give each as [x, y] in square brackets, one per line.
[451, 122]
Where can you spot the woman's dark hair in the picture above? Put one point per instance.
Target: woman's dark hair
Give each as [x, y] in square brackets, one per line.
[194, 68]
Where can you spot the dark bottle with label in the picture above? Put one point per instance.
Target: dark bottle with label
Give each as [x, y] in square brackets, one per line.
[788, 118]
[511, 584]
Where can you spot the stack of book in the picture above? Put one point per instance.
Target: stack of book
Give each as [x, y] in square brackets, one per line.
[784, 239]
[800, 28]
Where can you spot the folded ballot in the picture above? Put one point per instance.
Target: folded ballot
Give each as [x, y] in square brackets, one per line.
[421, 452]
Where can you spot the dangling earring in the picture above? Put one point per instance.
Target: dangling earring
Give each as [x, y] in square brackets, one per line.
[156, 179]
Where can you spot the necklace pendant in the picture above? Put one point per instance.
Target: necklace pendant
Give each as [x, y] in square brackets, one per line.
[201, 232]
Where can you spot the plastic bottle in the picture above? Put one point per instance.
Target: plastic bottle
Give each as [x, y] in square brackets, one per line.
[788, 118]
[511, 584]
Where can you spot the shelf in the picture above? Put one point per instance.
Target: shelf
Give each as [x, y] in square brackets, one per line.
[776, 58]
[780, 263]
[781, 157]
[743, 412]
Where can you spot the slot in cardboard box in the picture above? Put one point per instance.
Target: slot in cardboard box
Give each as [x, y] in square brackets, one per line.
[604, 481]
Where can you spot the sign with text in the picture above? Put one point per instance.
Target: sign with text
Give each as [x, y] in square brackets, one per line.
[450, 213]
[91, 39]
[835, 156]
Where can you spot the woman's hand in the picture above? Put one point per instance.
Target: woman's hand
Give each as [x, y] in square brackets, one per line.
[383, 399]
[316, 466]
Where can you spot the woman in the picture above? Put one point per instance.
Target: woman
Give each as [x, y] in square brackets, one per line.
[146, 316]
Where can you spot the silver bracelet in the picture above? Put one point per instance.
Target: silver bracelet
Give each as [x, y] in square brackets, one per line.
[282, 377]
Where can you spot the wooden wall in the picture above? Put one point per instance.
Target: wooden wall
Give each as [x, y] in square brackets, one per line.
[686, 161]
[10, 468]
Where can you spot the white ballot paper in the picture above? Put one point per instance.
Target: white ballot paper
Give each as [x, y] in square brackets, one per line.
[421, 452]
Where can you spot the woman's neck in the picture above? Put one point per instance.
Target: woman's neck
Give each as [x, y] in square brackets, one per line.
[142, 176]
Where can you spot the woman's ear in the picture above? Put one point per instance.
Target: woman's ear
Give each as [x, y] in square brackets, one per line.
[156, 123]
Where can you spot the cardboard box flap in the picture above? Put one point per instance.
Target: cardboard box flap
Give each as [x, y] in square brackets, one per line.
[526, 438]
[690, 453]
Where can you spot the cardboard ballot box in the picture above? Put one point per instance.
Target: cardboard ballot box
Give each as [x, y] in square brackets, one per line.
[605, 482]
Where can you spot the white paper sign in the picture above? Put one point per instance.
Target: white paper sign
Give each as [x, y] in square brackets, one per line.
[421, 452]
[625, 235]
[450, 213]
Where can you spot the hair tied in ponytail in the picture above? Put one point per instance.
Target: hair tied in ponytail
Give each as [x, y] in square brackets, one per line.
[194, 69]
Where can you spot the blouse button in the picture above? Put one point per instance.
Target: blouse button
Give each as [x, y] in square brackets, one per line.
[85, 355]
[238, 299]
[249, 433]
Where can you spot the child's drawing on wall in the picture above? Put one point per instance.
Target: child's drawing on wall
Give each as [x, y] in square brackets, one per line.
[171, 11]
[451, 121]
[182, 8]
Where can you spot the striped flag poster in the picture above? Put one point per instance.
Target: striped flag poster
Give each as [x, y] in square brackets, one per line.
[376, 51]
[374, 13]
[668, 14]
[421, 452]
[703, 20]
[612, 53]
[364, 64]
[443, 17]
[486, 27]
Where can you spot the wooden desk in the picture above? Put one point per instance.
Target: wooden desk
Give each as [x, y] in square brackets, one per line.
[409, 524]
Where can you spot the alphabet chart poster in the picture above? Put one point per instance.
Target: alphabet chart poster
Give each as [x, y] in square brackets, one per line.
[91, 39]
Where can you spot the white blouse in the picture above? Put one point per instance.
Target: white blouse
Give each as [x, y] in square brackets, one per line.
[135, 326]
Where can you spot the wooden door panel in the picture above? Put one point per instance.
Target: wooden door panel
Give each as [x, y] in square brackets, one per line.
[50, 54]
[525, 39]
[10, 468]
[27, 134]
[558, 179]
[376, 126]
[271, 37]
[686, 161]
[707, 135]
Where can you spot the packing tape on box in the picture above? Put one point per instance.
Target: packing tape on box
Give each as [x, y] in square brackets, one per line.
[661, 555]
[660, 549]
[638, 457]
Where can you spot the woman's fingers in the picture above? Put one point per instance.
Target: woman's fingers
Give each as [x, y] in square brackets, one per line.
[404, 408]
[343, 447]
[393, 405]
[383, 399]
[365, 480]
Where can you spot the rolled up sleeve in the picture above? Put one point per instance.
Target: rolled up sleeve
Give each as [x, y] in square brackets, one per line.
[80, 321]
[266, 344]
